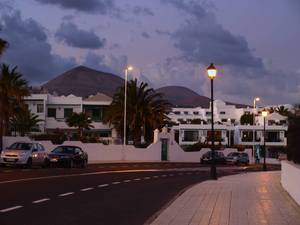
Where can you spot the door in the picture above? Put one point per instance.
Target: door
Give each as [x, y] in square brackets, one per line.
[164, 149]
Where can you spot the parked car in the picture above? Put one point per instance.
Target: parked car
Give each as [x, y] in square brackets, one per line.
[237, 158]
[207, 157]
[68, 156]
[25, 154]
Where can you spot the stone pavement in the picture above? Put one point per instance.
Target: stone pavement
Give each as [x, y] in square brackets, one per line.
[250, 199]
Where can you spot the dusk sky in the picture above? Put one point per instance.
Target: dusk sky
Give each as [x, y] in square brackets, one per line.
[254, 44]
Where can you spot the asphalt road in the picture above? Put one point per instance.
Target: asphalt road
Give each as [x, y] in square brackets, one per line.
[110, 194]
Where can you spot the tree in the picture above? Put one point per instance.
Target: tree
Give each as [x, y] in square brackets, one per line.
[146, 111]
[12, 91]
[246, 118]
[282, 110]
[80, 121]
[3, 46]
[24, 121]
[293, 135]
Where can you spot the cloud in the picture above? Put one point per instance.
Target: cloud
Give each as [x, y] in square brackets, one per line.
[110, 64]
[29, 48]
[163, 33]
[89, 6]
[202, 40]
[71, 35]
[137, 10]
[145, 35]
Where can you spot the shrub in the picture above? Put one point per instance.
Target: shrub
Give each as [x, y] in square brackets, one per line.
[293, 134]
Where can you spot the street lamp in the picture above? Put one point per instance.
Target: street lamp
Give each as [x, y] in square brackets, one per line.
[212, 73]
[256, 99]
[128, 68]
[264, 114]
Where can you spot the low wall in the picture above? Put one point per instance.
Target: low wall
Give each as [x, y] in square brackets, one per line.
[290, 179]
[98, 152]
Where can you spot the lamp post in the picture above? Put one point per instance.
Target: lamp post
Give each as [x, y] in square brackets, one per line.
[128, 68]
[212, 73]
[264, 114]
[256, 99]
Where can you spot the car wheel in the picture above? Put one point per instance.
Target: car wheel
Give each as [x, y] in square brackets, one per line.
[84, 164]
[46, 163]
[71, 164]
[28, 163]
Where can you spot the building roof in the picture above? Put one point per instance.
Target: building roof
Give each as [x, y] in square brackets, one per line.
[98, 97]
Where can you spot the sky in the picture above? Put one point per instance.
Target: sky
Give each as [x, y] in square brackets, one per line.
[254, 44]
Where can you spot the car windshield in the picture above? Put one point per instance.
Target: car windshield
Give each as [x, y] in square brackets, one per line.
[64, 150]
[21, 146]
[244, 155]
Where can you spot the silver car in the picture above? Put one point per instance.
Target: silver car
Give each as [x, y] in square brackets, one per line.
[25, 154]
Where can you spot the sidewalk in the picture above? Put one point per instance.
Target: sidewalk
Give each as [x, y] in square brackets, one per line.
[251, 198]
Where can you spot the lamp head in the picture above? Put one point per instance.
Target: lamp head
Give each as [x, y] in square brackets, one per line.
[257, 99]
[129, 68]
[211, 71]
[264, 113]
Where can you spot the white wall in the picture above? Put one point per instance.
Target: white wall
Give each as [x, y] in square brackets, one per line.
[290, 179]
[98, 152]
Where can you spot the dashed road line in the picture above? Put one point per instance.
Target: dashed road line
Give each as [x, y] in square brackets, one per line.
[164, 175]
[87, 189]
[147, 178]
[66, 194]
[103, 185]
[126, 181]
[11, 208]
[116, 182]
[137, 179]
[155, 176]
[41, 200]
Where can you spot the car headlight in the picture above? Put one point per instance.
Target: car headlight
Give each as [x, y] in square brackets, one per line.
[35, 155]
[2, 154]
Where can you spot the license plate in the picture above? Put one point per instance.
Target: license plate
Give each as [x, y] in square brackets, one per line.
[10, 160]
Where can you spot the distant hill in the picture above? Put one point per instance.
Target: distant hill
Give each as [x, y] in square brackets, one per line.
[183, 97]
[83, 81]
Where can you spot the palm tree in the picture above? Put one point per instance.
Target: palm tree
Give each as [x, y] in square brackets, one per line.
[3, 46]
[12, 91]
[282, 110]
[146, 111]
[24, 121]
[246, 118]
[80, 121]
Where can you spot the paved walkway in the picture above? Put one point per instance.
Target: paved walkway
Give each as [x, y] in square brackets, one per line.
[250, 199]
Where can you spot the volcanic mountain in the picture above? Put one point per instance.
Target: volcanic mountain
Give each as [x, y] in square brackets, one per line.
[83, 81]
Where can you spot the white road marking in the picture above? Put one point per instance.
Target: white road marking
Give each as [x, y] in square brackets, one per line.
[66, 194]
[163, 175]
[103, 185]
[41, 200]
[87, 189]
[171, 175]
[147, 178]
[126, 181]
[10, 209]
[117, 182]
[155, 176]
[137, 179]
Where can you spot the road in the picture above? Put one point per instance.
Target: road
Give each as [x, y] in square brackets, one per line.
[108, 194]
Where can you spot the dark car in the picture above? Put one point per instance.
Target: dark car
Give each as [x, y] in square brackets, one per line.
[243, 158]
[68, 156]
[207, 157]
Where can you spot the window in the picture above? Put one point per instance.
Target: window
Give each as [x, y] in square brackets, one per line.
[40, 108]
[52, 112]
[186, 113]
[68, 112]
[191, 135]
[222, 113]
[177, 113]
[224, 120]
[196, 113]
[208, 113]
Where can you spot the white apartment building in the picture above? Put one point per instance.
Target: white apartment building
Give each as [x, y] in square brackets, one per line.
[193, 125]
[54, 110]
